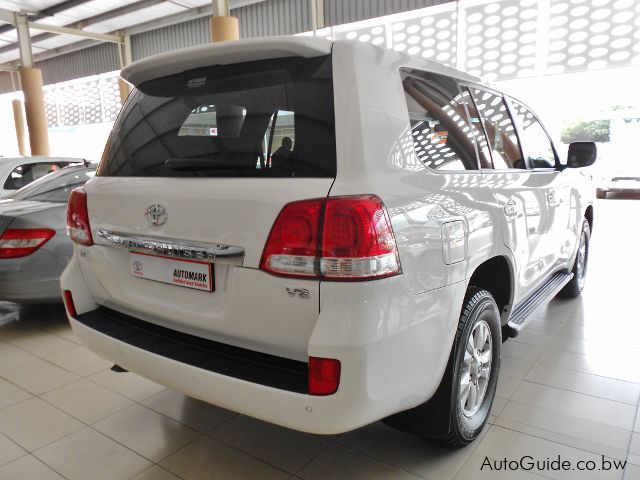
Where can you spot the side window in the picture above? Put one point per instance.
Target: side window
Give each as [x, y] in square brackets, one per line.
[438, 118]
[503, 140]
[535, 141]
[25, 174]
[475, 129]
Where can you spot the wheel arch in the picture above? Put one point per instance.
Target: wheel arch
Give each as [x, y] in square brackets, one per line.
[588, 214]
[496, 275]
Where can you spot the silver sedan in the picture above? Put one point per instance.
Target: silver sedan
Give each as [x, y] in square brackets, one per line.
[34, 247]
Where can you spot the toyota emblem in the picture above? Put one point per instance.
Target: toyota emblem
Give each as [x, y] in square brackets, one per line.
[156, 215]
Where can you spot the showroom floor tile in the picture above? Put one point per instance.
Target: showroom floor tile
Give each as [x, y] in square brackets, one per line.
[569, 385]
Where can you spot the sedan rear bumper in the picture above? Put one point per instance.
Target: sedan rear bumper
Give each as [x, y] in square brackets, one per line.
[45, 291]
[36, 277]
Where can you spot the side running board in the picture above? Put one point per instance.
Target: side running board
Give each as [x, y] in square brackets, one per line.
[525, 309]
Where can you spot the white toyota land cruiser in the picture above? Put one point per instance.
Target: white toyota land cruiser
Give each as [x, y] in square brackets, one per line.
[323, 234]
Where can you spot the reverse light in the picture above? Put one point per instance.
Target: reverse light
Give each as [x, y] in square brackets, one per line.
[20, 242]
[324, 376]
[78, 227]
[68, 303]
[335, 238]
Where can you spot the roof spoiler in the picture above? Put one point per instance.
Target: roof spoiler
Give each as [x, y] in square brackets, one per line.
[223, 53]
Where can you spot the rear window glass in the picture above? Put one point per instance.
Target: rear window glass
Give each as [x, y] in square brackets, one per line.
[271, 118]
[23, 175]
[55, 187]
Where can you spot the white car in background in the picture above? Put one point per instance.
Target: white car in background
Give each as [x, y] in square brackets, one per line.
[18, 172]
[619, 183]
[406, 219]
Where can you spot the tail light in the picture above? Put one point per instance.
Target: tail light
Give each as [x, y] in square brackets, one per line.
[336, 238]
[68, 303]
[20, 242]
[78, 227]
[324, 376]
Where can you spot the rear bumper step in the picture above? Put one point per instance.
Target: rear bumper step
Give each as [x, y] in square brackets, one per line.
[240, 363]
[525, 310]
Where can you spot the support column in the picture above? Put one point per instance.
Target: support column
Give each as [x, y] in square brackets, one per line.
[18, 120]
[124, 51]
[31, 80]
[223, 26]
[124, 88]
[316, 8]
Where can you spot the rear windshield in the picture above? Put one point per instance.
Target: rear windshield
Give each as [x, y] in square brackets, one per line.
[55, 187]
[271, 118]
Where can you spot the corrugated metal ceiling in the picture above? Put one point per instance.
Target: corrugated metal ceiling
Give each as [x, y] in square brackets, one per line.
[256, 18]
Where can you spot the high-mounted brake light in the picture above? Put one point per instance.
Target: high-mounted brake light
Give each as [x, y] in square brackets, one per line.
[335, 238]
[20, 242]
[324, 376]
[78, 227]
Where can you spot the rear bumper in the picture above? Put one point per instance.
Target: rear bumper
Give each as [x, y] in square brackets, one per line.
[47, 291]
[392, 346]
[16, 286]
[36, 277]
[208, 355]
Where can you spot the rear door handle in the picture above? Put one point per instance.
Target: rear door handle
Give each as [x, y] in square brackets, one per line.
[510, 210]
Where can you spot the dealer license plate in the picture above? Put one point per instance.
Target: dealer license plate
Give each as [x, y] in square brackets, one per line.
[183, 273]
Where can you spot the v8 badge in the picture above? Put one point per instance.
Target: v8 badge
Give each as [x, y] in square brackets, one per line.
[298, 292]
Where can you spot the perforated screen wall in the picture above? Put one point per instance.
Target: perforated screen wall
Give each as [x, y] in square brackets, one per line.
[79, 102]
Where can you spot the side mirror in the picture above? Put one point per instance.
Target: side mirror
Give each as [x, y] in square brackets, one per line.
[581, 154]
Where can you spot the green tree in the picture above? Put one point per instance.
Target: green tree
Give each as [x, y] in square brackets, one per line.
[593, 131]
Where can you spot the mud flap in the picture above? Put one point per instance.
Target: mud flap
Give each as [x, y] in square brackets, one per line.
[432, 419]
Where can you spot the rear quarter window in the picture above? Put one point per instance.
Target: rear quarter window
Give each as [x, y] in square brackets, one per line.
[271, 118]
[438, 120]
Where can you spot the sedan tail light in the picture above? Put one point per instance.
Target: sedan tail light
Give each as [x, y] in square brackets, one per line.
[335, 238]
[20, 242]
[78, 227]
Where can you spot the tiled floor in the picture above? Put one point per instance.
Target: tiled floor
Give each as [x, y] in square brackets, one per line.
[569, 386]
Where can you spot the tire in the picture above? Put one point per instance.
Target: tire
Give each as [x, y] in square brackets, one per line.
[479, 330]
[576, 285]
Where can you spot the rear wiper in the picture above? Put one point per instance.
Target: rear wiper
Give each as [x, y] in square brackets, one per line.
[205, 164]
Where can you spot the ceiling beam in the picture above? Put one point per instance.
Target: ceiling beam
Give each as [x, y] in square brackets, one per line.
[8, 16]
[24, 40]
[180, 17]
[100, 17]
[105, 37]
[46, 12]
